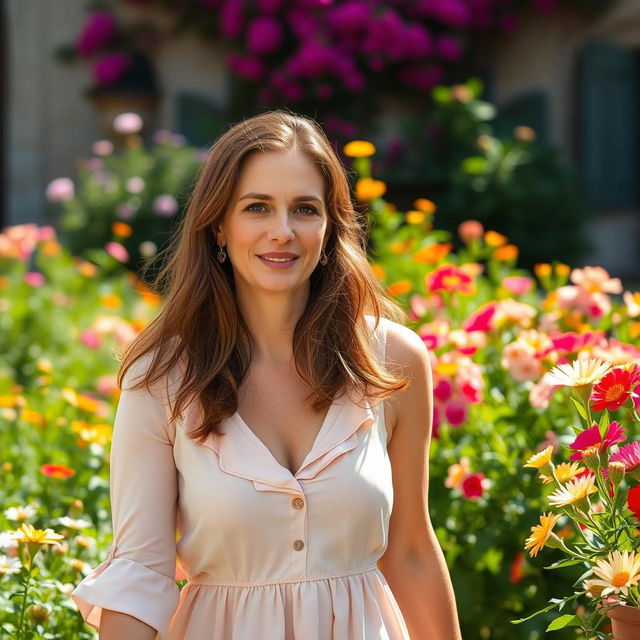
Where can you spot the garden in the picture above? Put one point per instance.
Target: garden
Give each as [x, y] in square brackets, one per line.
[509, 347]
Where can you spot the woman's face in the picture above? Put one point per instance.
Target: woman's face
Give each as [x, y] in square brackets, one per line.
[278, 208]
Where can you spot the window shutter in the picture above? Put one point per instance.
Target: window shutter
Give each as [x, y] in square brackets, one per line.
[608, 126]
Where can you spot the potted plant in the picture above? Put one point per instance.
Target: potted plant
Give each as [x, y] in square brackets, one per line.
[596, 493]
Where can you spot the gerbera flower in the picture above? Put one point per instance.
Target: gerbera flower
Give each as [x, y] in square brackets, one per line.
[9, 565]
[573, 491]
[579, 373]
[28, 533]
[57, 471]
[633, 501]
[540, 459]
[540, 533]
[629, 455]
[449, 277]
[619, 571]
[614, 388]
[591, 437]
[565, 471]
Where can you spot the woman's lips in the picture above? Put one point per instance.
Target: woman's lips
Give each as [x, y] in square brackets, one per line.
[278, 264]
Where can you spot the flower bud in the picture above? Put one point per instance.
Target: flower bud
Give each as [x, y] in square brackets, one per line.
[38, 613]
[554, 542]
[616, 473]
[591, 457]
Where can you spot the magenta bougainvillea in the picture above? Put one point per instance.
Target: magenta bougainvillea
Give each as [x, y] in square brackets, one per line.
[297, 50]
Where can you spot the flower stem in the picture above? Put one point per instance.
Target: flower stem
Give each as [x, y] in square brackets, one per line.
[23, 606]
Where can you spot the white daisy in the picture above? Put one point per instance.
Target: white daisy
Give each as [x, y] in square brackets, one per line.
[619, 571]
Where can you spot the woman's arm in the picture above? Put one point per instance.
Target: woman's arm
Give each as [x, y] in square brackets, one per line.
[413, 563]
[117, 626]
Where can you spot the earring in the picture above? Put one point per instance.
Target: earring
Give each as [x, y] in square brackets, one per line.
[222, 254]
[323, 258]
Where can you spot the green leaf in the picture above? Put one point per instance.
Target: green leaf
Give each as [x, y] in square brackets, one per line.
[604, 423]
[564, 563]
[581, 410]
[474, 165]
[566, 620]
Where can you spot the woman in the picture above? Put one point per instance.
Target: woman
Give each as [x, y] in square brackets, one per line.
[266, 438]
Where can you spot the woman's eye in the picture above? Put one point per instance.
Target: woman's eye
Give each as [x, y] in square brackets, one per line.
[309, 208]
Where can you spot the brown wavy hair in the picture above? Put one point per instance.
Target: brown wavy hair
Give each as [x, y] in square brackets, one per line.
[199, 324]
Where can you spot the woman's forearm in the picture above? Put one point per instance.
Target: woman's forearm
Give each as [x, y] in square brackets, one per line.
[115, 625]
[425, 596]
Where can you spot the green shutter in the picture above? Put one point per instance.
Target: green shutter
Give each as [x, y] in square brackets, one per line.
[530, 109]
[608, 126]
[199, 119]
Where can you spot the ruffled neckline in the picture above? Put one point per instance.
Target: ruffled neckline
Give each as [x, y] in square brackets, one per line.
[241, 453]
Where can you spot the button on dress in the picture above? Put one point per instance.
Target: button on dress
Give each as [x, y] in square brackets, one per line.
[268, 554]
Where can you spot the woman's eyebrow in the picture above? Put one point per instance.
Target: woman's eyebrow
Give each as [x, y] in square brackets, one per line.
[265, 196]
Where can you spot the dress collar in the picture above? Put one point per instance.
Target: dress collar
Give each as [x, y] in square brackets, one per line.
[241, 453]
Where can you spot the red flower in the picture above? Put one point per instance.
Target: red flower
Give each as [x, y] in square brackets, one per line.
[614, 389]
[590, 437]
[472, 485]
[516, 568]
[57, 471]
[449, 277]
[633, 501]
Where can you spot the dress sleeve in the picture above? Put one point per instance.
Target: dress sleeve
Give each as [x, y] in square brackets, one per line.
[137, 576]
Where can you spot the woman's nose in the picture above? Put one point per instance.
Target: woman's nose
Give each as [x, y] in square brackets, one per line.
[281, 226]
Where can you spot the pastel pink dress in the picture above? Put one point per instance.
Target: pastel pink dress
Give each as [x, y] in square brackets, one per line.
[268, 554]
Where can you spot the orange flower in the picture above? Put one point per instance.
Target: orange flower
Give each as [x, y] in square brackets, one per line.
[425, 205]
[507, 252]
[358, 149]
[57, 471]
[401, 247]
[495, 239]
[87, 269]
[542, 270]
[449, 277]
[399, 288]
[378, 271]
[32, 417]
[50, 248]
[433, 252]
[122, 229]
[111, 301]
[368, 188]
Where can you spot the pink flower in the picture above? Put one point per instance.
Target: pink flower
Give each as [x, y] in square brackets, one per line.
[117, 251]
[127, 123]
[417, 41]
[110, 67]
[231, 18]
[518, 285]
[591, 437]
[107, 384]
[264, 35]
[349, 17]
[248, 67]
[90, 339]
[474, 485]
[596, 279]
[541, 393]
[45, 233]
[456, 411]
[443, 390]
[469, 230]
[34, 279]
[97, 31]
[102, 147]
[453, 13]
[448, 47]
[629, 455]
[165, 205]
[60, 190]
[480, 320]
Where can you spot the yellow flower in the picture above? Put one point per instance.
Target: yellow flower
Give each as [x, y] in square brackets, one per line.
[579, 373]
[542, 269]
[32, 417]
[368, 188]
[573, 491]
[565, 471]
[415, 217]
[358, 149]
[87, 269]
[540, 533]
[540, 459]
[619, 571]
[28, 533]
[495, 239]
